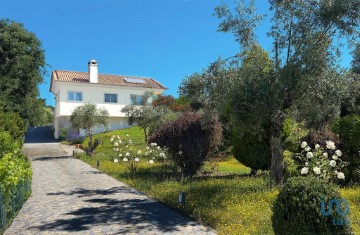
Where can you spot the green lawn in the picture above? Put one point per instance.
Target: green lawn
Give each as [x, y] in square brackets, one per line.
[229, 201]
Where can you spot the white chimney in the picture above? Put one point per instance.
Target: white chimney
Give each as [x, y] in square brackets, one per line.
[93, 71]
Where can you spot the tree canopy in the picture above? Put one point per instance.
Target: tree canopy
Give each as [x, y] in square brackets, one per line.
[88, 117]
[355, 63]
[149, 115]
[22, 65]
[257, 90]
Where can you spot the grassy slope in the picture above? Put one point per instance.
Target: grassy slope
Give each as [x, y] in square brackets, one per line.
[232, 204]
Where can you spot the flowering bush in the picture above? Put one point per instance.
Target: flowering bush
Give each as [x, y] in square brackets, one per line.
[323, 161]
[125, 152]
[73, 136]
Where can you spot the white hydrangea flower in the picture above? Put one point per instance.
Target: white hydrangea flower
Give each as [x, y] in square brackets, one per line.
[333, 163]
[309, 155]
[125, 159]
[317, 170]
[139, 152]
[330, 145]
[306, 164]
[341, 175]
[147, 148]
[303, 144]
[116, 144]
[325, 154]
[158, 147]
[136, 159]
[118, 137]
[126, 146]
[338, 153]
[307, 149]
[317, 146]
[111, 140]
[151, 161]
[304, 170]
[335, 157]
[116, 160]
[127, 154]
[146, 153]
[127, 135]
[120, 155]
[120, 141]
[180, 152]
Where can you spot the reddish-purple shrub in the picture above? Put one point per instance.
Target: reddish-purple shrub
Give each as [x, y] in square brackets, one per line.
[189, 141]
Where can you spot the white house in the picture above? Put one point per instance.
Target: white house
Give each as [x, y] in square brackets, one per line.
[112, 92]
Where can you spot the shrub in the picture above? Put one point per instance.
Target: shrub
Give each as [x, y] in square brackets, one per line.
[63, 133]
[287, 128]
[348, 129]
[189, 141]
[7, 143]
[15, 177]
[252, 151]
[14, 124]
[302, 206]
[290, 165]
[320, 137]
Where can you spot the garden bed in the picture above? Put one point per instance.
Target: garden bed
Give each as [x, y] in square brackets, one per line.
[228, 200]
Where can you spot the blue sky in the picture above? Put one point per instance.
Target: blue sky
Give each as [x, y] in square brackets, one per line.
[163, 39]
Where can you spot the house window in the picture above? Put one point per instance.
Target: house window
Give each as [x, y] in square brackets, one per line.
[136, 99]
[75, 96]
[110, 98]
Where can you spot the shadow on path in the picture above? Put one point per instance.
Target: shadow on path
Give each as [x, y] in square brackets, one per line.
[133, 214]
[52, 158]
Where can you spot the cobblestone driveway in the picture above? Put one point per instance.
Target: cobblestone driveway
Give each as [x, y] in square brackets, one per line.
[70, 197]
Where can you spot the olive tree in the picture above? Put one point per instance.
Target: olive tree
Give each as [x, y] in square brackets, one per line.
[257, 91]
[88, 117]
[305, 48]
[147, 116]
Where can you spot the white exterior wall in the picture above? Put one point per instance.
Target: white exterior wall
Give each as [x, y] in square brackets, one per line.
[94, 94]
[115, 123]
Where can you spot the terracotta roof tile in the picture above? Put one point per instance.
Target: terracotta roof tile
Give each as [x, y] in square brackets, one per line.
[104, 79]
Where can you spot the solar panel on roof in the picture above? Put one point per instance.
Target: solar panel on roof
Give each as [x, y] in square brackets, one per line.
[134, 80]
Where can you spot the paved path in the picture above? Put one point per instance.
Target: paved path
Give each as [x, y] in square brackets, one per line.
[70, 197]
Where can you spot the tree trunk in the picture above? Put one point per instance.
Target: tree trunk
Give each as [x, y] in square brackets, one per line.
[145, 134]
[277, 166]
